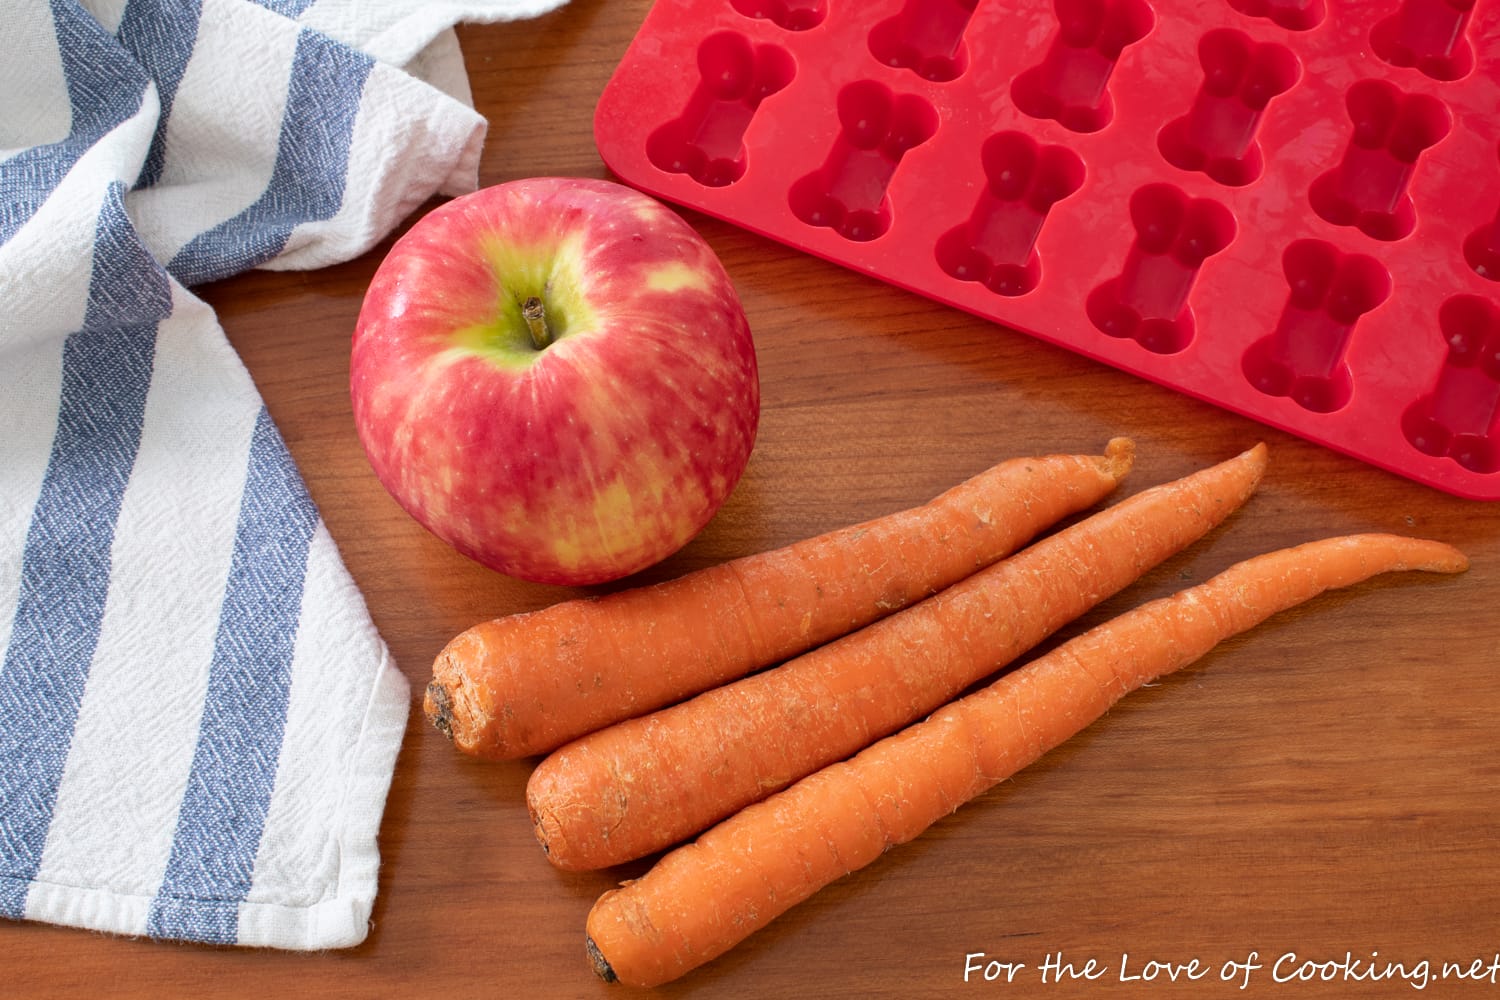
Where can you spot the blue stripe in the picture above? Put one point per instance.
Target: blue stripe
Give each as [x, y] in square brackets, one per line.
[312, 159]
[105, 88]
[160, 35]
[287, 8]
[234, 765]
[65, 568]
[127, 287]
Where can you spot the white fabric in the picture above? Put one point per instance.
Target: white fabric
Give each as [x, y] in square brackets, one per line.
[198, 720]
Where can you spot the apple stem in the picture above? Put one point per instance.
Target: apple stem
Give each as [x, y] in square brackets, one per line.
[535, 315]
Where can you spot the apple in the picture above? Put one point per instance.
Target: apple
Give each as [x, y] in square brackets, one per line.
[556, 377]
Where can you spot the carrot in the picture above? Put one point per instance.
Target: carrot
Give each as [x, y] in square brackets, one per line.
[647, 783]
[527, 683]
[702, 899]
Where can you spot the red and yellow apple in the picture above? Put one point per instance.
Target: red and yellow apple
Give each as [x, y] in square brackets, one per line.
[555, 376]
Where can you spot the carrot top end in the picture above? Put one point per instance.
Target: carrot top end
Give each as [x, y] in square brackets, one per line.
[601, 965]
[438, 706]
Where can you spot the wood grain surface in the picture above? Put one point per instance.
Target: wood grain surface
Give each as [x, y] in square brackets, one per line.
[1323, 787]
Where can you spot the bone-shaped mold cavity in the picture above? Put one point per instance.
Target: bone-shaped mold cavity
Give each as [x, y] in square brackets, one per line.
[1368, 189]
[789, 15]
[927, 37]
[1071, 83]
[848, 192]
[706, 141]
[1217, 135]
[1148, 301]
[1303, 358]
[1429, 36]
[997, 245]
[1460, 417]
[1293, 15]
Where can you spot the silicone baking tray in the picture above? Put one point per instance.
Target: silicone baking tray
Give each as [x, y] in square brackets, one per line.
[1290, 208]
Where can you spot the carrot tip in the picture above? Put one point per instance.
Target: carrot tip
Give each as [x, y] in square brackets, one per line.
[601, 965]
[1259, 453]
[1120, 456]
[439, 708]
[1446, 560]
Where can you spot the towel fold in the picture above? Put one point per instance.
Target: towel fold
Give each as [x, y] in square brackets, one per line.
[198, 720]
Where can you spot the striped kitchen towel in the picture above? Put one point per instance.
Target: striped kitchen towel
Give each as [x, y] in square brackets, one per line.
[198, 720]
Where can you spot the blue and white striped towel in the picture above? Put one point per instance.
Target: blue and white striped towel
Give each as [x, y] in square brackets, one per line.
[198, 721]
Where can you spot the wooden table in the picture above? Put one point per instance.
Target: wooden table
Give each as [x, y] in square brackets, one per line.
[1321, 787]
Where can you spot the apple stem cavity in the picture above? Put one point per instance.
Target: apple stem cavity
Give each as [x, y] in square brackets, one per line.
[534, 312]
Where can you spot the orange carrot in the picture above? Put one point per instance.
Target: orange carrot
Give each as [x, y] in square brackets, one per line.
[527, 683]
[647, 783]
[702, 899]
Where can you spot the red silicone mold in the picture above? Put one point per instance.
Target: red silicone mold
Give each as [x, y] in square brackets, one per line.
[1290, 208]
